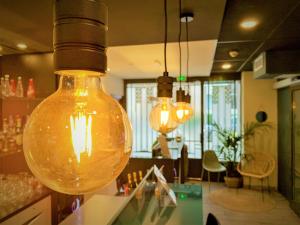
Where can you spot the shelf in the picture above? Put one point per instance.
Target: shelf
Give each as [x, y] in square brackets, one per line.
[8, 153]
[18, 106]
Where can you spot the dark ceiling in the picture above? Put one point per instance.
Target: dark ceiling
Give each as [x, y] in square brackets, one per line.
[136, 22]
[278, 28]
[131, 22]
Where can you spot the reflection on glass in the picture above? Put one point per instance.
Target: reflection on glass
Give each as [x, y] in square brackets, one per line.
[151, 205]
[18, 190]
[296, 140]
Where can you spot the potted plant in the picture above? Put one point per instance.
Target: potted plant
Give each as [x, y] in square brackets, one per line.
[230, 148]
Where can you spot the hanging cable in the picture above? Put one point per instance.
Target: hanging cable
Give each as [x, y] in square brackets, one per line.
[187, 52]
[179, 44]
[166, 35]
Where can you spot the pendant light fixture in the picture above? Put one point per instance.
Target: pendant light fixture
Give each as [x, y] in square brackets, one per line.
[78, 139]
[181, 105]
[187, 18]
[162, 116]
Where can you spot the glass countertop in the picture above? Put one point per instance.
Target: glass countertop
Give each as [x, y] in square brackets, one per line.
[148, 209]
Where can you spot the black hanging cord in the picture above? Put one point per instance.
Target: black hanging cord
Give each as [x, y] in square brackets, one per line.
[179, 43]
[187, 52]
[166, 35]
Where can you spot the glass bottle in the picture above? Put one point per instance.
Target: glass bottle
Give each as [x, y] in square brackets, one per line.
[1, 141]
[12, 87]
[2, 86]
[5, 131]
[6, 89]
[11, 126]
[30, 89]
[19, 134]
[19, 89]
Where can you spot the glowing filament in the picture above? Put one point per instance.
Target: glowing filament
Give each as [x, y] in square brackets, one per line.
[81, 130]
[186, 112]
[180, 113]
[164, 117]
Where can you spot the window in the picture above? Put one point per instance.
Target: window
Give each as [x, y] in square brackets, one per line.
[221, 101]
[221, 106]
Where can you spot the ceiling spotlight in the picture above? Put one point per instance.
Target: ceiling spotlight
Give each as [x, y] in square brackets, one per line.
[108, 70]
[226, 66]
[248, 24]
[22, 46]
[233, 53]
[187, 17]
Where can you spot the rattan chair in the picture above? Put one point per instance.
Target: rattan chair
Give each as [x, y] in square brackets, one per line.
[257, 165]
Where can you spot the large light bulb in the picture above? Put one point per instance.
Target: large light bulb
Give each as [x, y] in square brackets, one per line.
[162, 116]
[79, 139]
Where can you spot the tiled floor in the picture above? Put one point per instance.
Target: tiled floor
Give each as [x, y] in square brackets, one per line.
[280, 215]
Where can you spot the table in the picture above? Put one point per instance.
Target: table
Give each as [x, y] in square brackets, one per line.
[148, 211]
[117, 210]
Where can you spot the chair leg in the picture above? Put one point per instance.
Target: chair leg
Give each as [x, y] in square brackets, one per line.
[262, 188]
[208, 180]
[202, 173]
[268, 180]
[219, 177]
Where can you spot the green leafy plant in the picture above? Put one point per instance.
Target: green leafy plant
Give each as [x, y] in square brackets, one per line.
[231, 140]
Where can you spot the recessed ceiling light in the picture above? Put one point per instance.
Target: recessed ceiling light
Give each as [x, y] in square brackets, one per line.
[226, 66]
[22, 46]
[233, 53]
[108, 69]
[248, 24]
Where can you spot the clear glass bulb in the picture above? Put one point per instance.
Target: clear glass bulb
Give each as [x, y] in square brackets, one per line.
[78, 139]
[188, 112]
[182, 112]
[162, 117]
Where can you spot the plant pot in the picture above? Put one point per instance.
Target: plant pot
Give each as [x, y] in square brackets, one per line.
[233, 182]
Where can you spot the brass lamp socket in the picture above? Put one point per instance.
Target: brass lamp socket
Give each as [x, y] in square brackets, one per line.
[188, 98]
[164, 86]
[79, 36]
[180, 95]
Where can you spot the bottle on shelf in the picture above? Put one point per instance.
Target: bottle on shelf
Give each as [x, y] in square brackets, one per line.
[141, 175]
[19, 133]
[130, 185]
[11, 134]
[135, 179]
[2, 86]
[30, 89]
[2, 140]
[6, 86]
[5, 134]
[12, 87]
[19, 89]
[11, 126]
